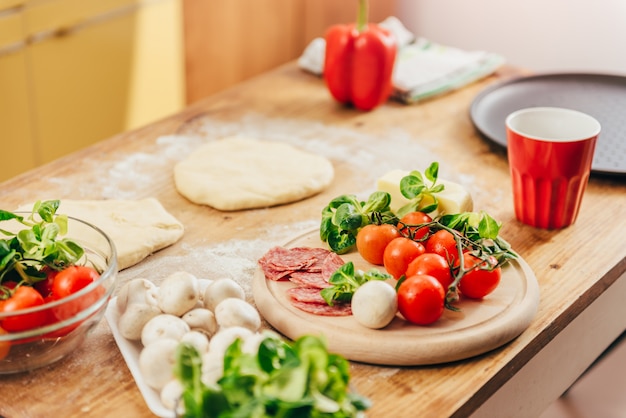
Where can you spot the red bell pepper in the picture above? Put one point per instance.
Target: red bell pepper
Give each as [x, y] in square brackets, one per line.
[359, 61]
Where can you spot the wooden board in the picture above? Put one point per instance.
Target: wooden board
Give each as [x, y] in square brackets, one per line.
[479, 327]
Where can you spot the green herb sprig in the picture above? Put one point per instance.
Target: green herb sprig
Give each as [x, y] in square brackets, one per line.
[25, 253]
[345, 215]
[346, 280]
[415, 188]
[282, 379]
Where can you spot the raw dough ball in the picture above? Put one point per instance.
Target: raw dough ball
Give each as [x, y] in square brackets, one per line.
[242, 173]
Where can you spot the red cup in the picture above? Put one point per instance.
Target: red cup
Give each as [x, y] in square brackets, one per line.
[550, 151]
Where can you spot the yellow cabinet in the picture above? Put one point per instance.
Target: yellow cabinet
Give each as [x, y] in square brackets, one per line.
[16, 139]
[89, 70]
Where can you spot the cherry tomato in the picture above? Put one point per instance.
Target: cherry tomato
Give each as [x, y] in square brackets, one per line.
[433, 265]
[22, 298]
[443, 243]
[69, 281]
[72, 279]
[5, 346]
[480, 280]
[45, 286]
[414, 218]
[421, 299]
[372, 240]
[399, 253]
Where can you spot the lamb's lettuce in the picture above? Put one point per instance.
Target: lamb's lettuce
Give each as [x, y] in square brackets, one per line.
[282, 379]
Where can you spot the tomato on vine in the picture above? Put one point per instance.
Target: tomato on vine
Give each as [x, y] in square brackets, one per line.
[399, 253]
[372, 240]
[421, 299]
[481, 277]
[414, 218]
[433, 265]
[443, 243]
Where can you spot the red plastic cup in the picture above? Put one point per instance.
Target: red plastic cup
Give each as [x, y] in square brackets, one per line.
[550, 151]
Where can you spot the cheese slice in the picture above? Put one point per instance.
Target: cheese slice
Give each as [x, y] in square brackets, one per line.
[453, 199]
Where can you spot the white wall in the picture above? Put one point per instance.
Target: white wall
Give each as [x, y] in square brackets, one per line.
[541, 35]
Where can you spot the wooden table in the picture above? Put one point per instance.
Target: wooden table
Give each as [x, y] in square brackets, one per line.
[581, 269]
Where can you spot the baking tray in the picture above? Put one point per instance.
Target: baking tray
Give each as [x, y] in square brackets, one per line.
[599, 95]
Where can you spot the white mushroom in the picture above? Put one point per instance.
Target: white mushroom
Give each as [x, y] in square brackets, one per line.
[136, 291]
[178, 293]
[156, 362]
[134, 318]
[374, 304]
[225, 337]
[212, 367]
[221, 289]
[171, 396]
[163, 326]
[201, 319]
[232, 312]
[197, 339]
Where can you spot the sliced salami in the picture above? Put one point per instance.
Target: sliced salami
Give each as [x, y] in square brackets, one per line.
[310, 269]
[310, 279]
[331, 263]
[337, 309]
[306, 294]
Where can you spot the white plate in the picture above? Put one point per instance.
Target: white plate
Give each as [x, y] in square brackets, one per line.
[130, 351]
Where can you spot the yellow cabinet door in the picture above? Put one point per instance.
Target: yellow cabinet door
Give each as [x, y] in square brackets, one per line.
[16, 142]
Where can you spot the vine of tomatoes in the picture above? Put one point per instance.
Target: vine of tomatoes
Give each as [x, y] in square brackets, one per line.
[423, 255]
[37, 266]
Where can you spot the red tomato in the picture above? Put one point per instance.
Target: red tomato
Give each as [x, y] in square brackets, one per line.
[22, 298]
[433, 265]
[72, 279]
[5, 346]
[421, 299]
[481, 279]
[443, 243]
[372, 240]
[414, 218]
[69, 281]
[399, 253]
[45, 286]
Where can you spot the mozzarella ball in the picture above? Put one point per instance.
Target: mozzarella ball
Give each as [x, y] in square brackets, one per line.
[375, 304]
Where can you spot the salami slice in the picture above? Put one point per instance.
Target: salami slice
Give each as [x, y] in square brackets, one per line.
[306, 294]
[331, 263]
[310, 279]
[310, 268]
[343, 309]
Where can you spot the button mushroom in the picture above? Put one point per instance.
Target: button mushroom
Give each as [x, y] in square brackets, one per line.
[221, 289]
[178, 293]
[232, 312]
[163, 326]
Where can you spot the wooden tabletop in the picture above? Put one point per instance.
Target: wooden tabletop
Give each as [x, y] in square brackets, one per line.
[574, 266]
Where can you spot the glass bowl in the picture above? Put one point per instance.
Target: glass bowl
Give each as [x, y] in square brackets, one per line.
[38, 347]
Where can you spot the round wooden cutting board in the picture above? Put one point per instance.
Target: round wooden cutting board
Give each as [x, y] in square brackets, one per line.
[480, 326]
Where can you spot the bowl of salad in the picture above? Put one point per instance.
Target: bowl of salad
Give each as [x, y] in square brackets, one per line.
[57, 275]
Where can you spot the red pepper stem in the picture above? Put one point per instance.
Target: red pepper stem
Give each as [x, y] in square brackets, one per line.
[361, 21]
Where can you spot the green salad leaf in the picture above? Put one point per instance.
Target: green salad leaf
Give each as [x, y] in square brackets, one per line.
[346, 280]
[415, 188]
[345, 215]
[282, 379]
[24, 253]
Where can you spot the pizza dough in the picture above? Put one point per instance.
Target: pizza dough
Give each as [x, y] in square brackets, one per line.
[137, 227]
[237, 173]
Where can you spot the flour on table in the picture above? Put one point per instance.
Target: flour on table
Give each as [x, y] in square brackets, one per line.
[137, 227]
[237, 173]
